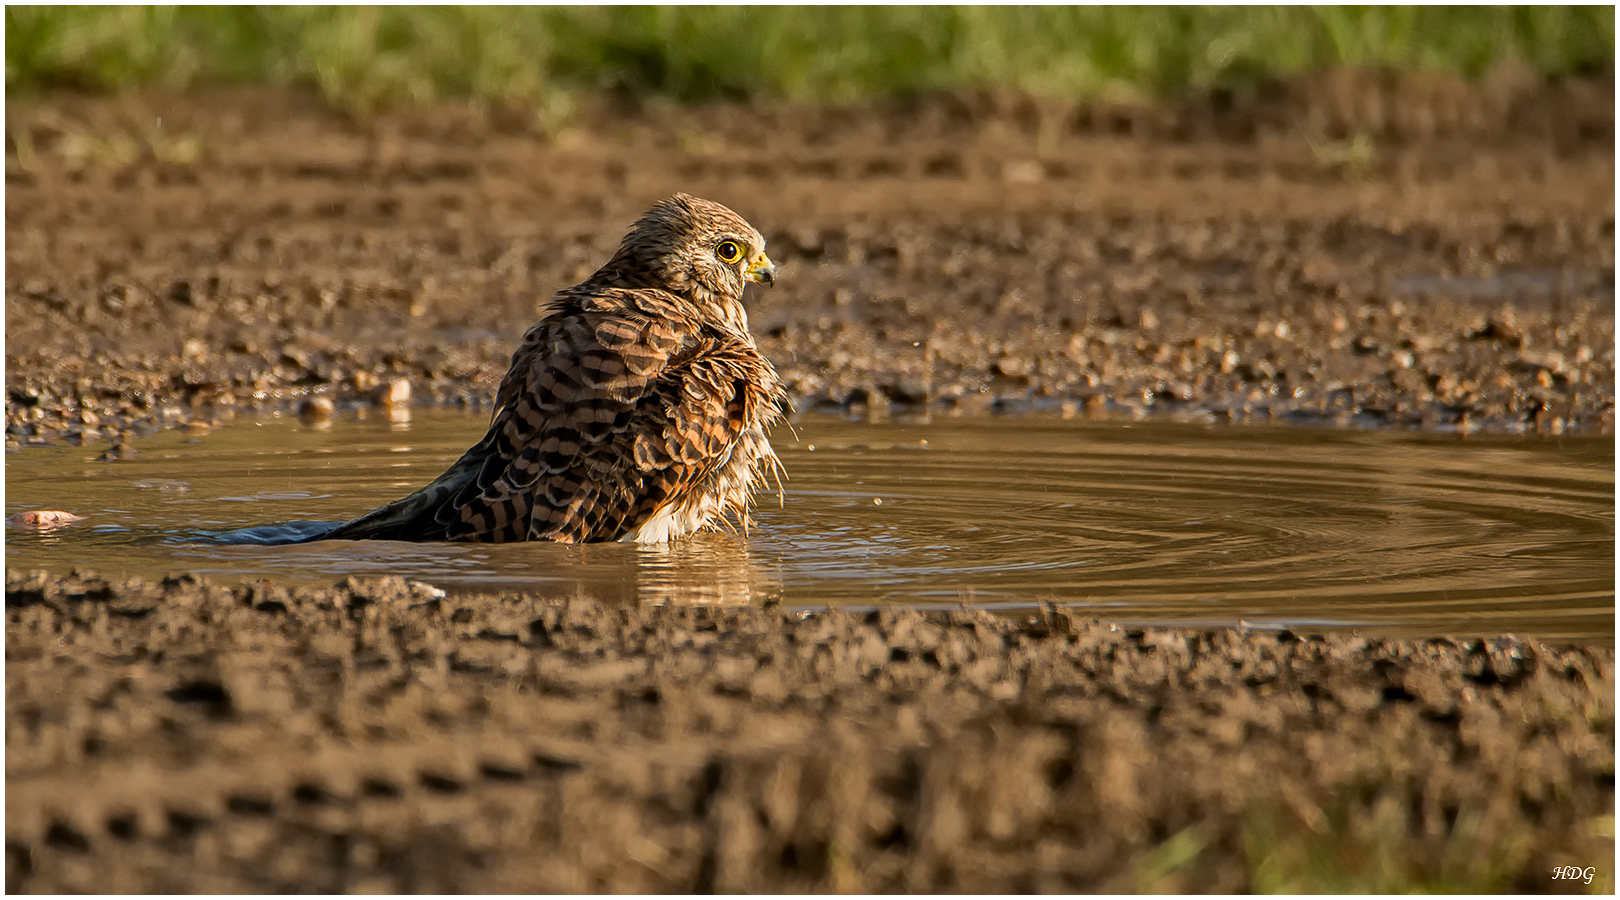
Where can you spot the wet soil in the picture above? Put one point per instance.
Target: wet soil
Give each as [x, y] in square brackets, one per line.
[1355, 249]
[186, 736]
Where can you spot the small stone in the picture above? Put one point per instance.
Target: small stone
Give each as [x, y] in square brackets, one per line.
[393, 392]
[1077, 349]
[1550, 361]
[118, 451]
[1011, 367]
[1504, 326]
[315, 410]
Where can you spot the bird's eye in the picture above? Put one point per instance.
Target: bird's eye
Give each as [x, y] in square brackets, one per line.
[729, 251]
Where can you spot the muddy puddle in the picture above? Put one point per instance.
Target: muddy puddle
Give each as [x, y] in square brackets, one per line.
[1198, 525]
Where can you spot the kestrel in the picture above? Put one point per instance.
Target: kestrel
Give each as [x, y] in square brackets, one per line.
[636, 409]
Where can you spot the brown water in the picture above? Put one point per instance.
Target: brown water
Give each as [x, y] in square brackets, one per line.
[1125, 522]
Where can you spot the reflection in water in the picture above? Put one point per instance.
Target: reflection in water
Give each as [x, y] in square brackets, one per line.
[1125, 522]
[709, 569]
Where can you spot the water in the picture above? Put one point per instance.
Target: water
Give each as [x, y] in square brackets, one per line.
[1273, 526]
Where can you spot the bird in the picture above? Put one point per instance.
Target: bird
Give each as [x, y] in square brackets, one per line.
[637, 409]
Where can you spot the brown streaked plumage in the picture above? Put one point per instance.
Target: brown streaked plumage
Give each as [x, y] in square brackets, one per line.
[635, 410]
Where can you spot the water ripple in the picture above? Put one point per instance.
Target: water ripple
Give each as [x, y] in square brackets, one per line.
[1148, 521]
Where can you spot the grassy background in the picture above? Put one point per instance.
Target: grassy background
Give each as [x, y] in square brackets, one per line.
[364, 57]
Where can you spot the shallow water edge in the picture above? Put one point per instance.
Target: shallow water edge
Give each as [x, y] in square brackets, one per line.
[1267, 527]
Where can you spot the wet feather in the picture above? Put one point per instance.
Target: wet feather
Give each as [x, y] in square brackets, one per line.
[637, 408]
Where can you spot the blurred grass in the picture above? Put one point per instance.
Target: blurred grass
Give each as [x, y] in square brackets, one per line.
[363, 57]
[1360, 844]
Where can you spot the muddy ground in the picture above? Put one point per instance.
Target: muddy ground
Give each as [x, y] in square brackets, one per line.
[184, 736]
[1352, 250]
[1348, 250]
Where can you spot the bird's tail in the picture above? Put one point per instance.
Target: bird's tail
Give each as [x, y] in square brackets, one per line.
[412, 518]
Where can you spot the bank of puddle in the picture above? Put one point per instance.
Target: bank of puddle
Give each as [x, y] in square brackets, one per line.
[1126, 522]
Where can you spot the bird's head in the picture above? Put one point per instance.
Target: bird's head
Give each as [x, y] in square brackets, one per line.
[696, 248]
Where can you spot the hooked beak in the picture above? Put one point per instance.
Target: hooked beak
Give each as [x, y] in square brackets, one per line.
[762, 270]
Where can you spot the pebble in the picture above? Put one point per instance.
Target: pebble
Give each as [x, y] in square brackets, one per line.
[316, 410]
[393, 392]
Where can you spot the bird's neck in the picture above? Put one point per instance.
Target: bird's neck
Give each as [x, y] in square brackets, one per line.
[724, 312]
[617, 275]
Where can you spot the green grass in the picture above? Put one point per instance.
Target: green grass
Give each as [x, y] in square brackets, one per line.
[1373, 846]
[361, 57]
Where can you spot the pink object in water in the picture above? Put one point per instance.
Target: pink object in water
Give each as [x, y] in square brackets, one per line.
[42, 518]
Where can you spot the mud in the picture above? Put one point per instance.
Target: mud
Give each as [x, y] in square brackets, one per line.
[1362, 250]
[186, 736]
[1354, 250]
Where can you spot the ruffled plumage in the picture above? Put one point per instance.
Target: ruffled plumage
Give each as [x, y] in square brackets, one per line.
[636, 409]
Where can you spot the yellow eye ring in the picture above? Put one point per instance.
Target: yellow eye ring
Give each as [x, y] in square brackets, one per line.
[729, 252]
